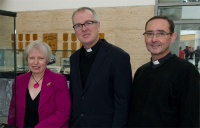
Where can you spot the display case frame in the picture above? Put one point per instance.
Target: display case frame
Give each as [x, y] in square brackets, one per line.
[8, 60]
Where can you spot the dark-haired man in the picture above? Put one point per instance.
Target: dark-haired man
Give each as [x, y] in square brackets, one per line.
[165, 91]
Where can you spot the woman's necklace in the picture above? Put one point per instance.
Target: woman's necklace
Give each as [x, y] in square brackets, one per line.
[36, 85]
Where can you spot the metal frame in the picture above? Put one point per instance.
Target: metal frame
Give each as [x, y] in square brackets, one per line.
[11, 14]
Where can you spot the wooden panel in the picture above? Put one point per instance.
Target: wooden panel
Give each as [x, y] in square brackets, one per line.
[20, 37]
[101, 35]
[65, 36]
[73, 37]
[27, 37]
[65, 45]
[73, 45]
[51, 39]
[20, 45]
[35, 37]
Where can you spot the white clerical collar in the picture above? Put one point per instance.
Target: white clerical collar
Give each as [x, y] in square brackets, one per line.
[156, 62]
[88, 50]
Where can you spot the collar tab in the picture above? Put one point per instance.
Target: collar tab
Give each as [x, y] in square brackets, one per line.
[88, 50]
[156, 62]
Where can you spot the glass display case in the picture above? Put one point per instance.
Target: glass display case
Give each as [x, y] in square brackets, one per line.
[7, 60]
[58, 63]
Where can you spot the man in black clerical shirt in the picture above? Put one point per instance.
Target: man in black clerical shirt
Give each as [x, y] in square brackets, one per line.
[165, 91]
[100, 77]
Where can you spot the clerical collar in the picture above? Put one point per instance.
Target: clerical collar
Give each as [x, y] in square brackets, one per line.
[93, 50]
[88, 50]
[156, 62]
[161, 61]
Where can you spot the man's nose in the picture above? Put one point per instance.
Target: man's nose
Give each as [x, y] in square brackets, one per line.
[154, 38]
[83, 27]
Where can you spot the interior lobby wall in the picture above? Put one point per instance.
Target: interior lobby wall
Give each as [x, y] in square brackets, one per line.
[35, 5]
[122, 26]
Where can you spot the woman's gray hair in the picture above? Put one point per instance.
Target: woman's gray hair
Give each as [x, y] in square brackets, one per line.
[38, 45]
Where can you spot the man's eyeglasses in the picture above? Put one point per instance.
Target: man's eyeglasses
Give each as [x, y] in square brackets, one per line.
[158, 35]
[86, 24]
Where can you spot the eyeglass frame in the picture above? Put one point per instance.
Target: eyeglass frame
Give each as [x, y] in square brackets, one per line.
[160, 36]
[85, 24]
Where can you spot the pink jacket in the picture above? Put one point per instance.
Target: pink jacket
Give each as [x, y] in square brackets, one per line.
[54, 105]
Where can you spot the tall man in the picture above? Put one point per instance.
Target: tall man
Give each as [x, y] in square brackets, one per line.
[165, 91]
[100, 77]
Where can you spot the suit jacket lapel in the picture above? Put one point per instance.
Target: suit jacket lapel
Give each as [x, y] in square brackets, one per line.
[97, 63]
[47, 88]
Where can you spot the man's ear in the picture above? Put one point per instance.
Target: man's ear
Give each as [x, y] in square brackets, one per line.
[173, 37]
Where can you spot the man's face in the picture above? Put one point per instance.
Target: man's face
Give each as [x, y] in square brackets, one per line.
[159, 46]
[88, 35]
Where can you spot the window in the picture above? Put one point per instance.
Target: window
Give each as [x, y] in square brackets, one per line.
[185, 14]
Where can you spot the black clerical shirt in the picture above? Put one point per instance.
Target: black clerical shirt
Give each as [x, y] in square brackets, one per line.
[161, 61]
[86, 61]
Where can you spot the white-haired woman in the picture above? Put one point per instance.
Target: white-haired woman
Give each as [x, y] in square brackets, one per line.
[42, 97]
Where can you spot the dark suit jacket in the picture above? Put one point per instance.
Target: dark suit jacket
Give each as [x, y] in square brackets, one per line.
[54, 104]
[104, 102]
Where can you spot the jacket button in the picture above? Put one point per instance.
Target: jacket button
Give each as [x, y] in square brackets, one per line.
[82, 115]
[82, 97]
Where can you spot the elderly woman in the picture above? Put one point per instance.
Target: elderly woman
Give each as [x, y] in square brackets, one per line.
[42, 97]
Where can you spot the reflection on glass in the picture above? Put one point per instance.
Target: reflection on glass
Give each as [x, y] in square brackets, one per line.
[188, 39]
[5, 95]
[6, 30]
[177, 1]
[7, 70]
[182, 12]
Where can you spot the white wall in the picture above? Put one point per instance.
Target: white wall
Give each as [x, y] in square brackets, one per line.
[31, 5]
[190, 12]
